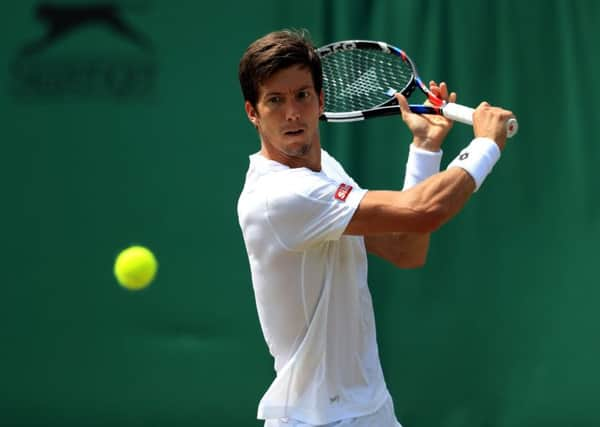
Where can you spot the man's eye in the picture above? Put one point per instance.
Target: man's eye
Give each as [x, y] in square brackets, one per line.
[303, 94]
[274, 100]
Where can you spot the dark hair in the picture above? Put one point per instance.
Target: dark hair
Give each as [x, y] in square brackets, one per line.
[274, 52]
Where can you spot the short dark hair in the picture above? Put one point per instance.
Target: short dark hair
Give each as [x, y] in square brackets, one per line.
[274, 52]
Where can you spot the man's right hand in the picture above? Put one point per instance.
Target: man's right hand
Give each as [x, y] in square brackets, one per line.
[490, 122]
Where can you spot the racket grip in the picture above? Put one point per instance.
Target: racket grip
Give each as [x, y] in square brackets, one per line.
[460, 113]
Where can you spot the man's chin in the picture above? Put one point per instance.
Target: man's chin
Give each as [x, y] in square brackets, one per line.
[299, 150]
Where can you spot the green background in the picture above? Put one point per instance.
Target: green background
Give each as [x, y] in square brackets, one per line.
[500, 328]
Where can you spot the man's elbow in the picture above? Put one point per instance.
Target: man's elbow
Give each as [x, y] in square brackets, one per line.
[413, 262]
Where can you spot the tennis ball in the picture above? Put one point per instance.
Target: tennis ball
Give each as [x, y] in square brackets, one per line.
[135, 267]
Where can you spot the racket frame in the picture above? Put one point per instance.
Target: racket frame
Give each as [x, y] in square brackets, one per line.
[438, 106]
[388, 107]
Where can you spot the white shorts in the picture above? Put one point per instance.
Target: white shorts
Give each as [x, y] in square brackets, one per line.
[384, 417]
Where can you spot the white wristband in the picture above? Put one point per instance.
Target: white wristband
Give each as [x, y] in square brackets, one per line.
[421, 164]
[478, 159]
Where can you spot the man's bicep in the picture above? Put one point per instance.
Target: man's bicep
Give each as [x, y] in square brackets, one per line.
[421, 209]
[381, 212]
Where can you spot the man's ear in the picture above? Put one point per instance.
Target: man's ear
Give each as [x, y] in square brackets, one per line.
[251, 113]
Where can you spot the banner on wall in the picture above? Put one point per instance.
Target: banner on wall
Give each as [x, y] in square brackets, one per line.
[64, 62]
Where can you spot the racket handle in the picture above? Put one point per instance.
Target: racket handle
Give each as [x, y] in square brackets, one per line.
[462, 114]
[458, 113]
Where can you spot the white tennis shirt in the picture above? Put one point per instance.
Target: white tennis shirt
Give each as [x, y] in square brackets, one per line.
[310, 284]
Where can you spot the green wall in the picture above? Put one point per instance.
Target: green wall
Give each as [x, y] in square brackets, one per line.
[106, 143]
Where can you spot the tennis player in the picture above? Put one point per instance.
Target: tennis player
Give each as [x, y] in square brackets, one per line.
[307, 227]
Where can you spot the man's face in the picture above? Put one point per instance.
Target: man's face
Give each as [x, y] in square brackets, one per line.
[287, 115]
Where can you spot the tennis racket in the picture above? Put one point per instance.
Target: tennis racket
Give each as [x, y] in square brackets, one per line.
[360, 78]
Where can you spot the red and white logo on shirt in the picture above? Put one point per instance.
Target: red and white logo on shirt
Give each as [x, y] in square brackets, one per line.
[342, 192]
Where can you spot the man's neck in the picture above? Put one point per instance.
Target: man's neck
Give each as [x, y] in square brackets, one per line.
[311, 160]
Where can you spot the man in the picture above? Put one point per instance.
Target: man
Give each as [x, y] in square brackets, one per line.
[308, 227]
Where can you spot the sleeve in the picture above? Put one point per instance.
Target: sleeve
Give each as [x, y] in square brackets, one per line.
[310, 209]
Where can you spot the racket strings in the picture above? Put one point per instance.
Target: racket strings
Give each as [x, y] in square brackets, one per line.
[355, 80]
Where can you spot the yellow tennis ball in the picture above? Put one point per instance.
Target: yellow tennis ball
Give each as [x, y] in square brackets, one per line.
[135, 267]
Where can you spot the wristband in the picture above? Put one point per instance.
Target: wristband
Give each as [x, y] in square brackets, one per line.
[478, 159]
[421, 164]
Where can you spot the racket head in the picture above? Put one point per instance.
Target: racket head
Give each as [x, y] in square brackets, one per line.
[364, 75]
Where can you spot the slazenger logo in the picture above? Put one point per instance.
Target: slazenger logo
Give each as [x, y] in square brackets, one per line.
[60, 20]
[342, 192]
[326, 50]
[44, 67]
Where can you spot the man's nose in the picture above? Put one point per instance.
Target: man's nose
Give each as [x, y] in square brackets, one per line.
[292, 111]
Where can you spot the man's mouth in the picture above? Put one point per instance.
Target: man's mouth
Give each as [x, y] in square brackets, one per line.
[294, 132]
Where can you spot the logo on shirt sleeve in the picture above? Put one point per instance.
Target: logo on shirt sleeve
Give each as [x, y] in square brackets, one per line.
[342, 192]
